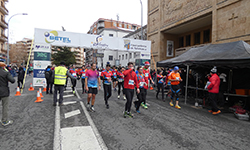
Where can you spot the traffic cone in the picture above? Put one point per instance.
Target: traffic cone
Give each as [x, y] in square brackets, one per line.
[151, 88]
[44, 88]
[40, 91]
[31, 87]
[18, 92]
[38, 98]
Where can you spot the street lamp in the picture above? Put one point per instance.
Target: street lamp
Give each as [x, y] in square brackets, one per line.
[141, 20]
[8, 48]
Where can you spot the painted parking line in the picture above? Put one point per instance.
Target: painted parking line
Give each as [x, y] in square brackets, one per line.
[72, 113]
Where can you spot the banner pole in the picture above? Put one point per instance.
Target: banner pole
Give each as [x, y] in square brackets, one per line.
[27, 65]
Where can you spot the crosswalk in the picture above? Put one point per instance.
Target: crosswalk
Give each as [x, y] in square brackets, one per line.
[76, 137]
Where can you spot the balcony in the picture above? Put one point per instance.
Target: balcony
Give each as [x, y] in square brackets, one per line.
[3, 24]
[3, 9]
[3, 38]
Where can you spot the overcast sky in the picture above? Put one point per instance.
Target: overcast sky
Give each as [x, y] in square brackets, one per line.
[73, 15]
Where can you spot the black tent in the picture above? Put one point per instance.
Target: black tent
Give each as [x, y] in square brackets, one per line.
[233, 55]
[226, 55]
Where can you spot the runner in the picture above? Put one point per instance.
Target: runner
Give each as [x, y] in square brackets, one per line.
[92, 76]
[114, 72]
[107, 77]
[130, 81]
[121, 82]
[142, 86]
[73, 72]
[83, 74]
[146, 72]
[160, 85]
[175, 79]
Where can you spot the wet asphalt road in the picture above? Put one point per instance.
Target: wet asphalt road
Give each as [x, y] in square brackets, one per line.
[160, 127]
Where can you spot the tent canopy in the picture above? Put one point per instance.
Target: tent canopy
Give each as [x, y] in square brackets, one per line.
[226, 55]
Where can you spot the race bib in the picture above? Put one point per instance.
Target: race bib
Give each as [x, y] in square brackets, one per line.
[83, 74]
[177, 78]
[142, 84]
[114, 73]
[131, 82]
[74, 74]
[146, 74]
[120, 80]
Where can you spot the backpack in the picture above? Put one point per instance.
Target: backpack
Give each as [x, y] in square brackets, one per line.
[47, 74]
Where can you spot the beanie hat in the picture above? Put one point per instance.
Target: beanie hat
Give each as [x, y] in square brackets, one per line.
[147, 63]
[214, 70]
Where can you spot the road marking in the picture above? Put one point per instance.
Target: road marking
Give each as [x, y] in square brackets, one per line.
[57, 139]
[67, 103]
[79, 138]
[68, 91]
[72, 113]
[68, 96]
[91, 122]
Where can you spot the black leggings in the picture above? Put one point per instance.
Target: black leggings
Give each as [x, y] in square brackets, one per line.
[160, 86]
[73, 84]
[83, 84]
[141, 96]
[213, 98]
[18, 83]
[175, 91]
[107, 92]
[120, 84]
[129, 96]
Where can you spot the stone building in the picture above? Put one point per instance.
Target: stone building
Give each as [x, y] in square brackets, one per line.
[174, 26]
[3, 26]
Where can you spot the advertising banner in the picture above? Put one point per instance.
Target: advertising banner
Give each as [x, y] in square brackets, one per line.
[39, 81]
[70, 39]
[41, 64]
[39, 73]
[42, 56]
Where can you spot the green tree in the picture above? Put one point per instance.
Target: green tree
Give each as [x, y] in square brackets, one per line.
[63, 54]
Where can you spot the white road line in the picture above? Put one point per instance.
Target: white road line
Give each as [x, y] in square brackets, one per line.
[79, 138]
[67, 103]
[68, 91]
[68, 96]
[91, 122]
[57, 139]
[72, 113]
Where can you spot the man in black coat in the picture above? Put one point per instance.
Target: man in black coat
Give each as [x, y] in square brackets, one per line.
[49, 79]
[5, 77]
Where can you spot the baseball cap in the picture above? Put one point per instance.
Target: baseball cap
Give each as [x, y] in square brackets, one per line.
[176, 68]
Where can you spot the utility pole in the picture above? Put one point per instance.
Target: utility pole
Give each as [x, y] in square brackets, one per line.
[141, 20]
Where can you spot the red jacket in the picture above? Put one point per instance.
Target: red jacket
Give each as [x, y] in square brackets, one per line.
[146, 72]
[130, 79]
[214, 85]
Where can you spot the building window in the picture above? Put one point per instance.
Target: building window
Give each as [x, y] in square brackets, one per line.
[188, 40]
[125, 25]
[206, 36]
[114, 24]
[134, 55]
[130, 55]
[126, 56]
[111, 35]
[197, 38]
[129, 26]
[122, 57]
[95, 31]
[110, 57]
[120, 25]
[181, 42]
[119, 57]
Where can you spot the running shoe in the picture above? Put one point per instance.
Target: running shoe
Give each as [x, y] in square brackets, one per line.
[114, 89]
[107, 106]
[118, 96]
[130, 115]
[124, 97]
[215, 113]
[5, 123]
[138, 111]
[142, 104]
[88, 106]
[145, 106]
[125, 114]
[177, 106]
[74, 92]
[171, 104]
[92, 109]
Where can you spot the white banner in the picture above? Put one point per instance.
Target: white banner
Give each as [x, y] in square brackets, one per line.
[39, 81]
[42, 47]
[62, 38]
[41, 64]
